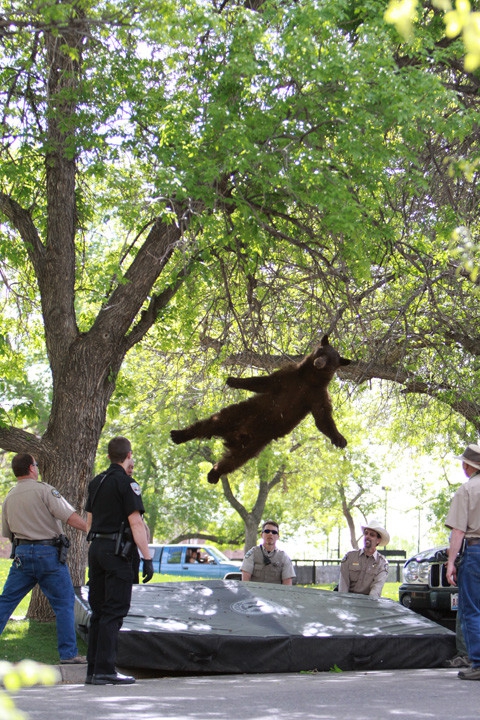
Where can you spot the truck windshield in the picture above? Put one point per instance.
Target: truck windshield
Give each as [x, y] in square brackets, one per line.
[218, 555]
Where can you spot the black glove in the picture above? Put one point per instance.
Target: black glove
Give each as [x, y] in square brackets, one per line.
[147, 570]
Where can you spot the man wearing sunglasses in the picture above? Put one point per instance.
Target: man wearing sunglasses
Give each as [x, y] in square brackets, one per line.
[264, 563]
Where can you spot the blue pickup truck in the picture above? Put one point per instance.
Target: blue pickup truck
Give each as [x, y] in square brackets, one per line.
[202, 561]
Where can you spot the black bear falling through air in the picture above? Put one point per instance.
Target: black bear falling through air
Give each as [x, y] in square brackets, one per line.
[282, 400]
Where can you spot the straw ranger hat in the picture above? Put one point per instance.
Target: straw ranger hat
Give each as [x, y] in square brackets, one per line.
[470, 455]
[375, 525]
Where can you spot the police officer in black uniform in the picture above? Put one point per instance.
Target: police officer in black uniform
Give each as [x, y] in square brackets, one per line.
[116, 528]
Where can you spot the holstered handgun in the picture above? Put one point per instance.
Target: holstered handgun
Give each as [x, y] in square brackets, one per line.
[63, 543]
[124, 543]
[14, 547]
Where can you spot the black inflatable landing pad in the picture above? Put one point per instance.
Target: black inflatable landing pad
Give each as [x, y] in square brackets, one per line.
[227, 626]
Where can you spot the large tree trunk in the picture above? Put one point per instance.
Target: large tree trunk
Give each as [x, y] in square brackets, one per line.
[67, 456]
[251, 531]
[39, 608]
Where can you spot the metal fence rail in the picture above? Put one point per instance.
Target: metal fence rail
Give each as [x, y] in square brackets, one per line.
[327, 570]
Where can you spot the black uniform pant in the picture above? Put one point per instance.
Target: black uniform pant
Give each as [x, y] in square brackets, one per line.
[109, 594]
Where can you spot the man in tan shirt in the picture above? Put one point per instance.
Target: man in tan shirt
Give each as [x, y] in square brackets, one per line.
[463, 519]
[32, 517]
[365, 571]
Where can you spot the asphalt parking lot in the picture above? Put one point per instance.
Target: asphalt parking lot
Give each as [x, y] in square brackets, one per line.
[372, 695]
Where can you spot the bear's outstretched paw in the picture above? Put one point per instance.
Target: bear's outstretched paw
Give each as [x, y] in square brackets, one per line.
[340, 441]
[178, 436]
[213, 476]
[231, 382]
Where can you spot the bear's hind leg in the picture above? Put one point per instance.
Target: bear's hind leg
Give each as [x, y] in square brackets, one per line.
[230, 461]
[234, 457]
[213, 476]
[224, 466]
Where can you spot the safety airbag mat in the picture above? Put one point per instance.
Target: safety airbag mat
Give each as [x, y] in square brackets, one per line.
[227, 626]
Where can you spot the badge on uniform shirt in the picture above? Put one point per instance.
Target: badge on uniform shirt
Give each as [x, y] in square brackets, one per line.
[136, 488]
[55, 493]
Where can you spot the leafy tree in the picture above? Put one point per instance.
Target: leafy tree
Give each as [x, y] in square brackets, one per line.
[277, 160]
[459, 20]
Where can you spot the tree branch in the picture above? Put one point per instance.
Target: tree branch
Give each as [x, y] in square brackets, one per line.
[220, 540]
[156, 305]
[115, 318]
[15, 440]
[21, 220]
[359, 372]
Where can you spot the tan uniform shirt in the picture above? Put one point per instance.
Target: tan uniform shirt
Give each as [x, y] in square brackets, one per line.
[464, 512]
[280, 567]
[34, 511]
[363, 574]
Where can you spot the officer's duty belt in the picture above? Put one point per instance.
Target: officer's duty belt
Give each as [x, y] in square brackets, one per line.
[22, 541]
[104, 536]
[473, 541]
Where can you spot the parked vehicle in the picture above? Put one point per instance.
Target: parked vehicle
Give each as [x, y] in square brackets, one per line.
[425, 588]
[192, 561]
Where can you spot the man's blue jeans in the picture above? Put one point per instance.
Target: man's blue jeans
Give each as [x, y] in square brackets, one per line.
[469, 601]
[39, 564]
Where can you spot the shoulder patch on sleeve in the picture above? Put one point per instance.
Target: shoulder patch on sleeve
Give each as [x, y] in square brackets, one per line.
[55, 493]
[249, 552]
[136, 488]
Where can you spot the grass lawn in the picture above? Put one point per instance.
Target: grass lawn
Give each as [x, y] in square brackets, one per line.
[38, 641]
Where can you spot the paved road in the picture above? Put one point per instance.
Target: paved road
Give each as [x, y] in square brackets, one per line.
[372, 695]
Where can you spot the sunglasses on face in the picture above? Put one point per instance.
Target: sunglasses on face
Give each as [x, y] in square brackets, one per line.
[274, 532]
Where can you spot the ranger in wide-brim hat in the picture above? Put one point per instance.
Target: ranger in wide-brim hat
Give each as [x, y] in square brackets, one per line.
[471, 456]
[375, 525]
[365, 571]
